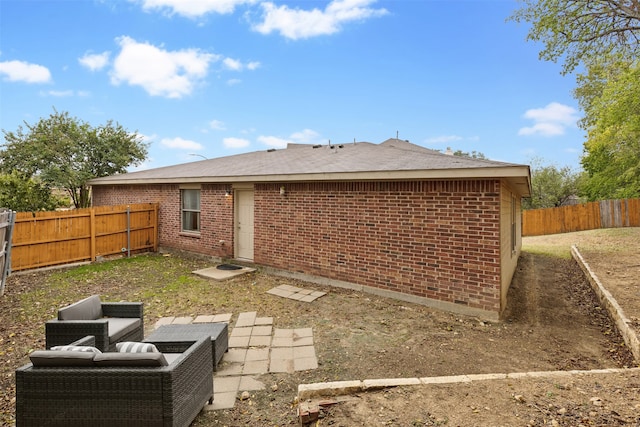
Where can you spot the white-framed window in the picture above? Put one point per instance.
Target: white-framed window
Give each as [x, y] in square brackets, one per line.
[190, 210]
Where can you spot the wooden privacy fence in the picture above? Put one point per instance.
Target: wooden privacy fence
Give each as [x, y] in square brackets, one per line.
[587, 216]
[44, 239]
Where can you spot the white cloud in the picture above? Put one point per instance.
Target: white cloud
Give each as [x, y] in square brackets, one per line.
[172, 74]
[65, 93]
[232, 64]
[274, 141]
[217, 125]
[236, 142]
[95, 61]
[233, 82]
[306, 136]
[544, 129]
[180, 143]
[58, 93]
[193, 9]
[20, 71]
[147, 139]
[551, 120]
[237, 65]
[301, 24]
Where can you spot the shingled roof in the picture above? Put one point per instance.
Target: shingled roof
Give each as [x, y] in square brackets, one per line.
[393, 159]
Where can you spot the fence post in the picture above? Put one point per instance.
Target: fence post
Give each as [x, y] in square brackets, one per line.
[92, 232]
[128, 231]
[155, 227]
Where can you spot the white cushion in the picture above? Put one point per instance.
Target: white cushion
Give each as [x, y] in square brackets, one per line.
[75, 348]
[136, 347]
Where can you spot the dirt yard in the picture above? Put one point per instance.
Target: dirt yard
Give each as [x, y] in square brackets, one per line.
[553, 322]
[539, 294]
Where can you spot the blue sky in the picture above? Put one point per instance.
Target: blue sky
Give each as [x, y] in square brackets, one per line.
[212, 78]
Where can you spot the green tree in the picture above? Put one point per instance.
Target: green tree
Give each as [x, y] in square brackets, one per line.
[610, 97]
[64, 152]
[604, 37]
[474, 154]
[551, 186]
[25, 194]
[582, 31]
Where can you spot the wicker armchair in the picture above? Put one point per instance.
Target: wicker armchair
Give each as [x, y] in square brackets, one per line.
[108, 322]
[170, 395]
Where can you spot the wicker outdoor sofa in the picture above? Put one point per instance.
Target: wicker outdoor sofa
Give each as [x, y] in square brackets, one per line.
[171, 395]
[109, 322]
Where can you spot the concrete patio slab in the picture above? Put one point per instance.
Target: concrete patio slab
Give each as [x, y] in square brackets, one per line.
[235, 342]
[281, 365]
[220, 275]
[305, 364]
[241, 331]
[223, 317]
[250, 384]
[237, 355]
[255, 348]
[226, 400]
[260, 341]
[246, 319]
[254, 367]
[225, 384]
[182, 320]
[263, 321]
[294, 293]
[257, 354]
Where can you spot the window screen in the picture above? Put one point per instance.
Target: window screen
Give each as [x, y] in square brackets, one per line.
[191, 210]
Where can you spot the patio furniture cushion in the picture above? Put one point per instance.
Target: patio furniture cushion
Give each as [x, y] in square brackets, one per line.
[136, 347]
[87, 309]
[122, 326]
[76, 348]
[51, 358]
[130, 359]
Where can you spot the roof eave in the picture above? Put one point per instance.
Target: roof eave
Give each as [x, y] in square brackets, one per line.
[518, 175]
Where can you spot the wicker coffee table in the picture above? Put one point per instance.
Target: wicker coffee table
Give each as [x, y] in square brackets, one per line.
[177, 333]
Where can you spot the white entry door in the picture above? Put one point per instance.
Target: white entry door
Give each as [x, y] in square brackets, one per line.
[244, 224]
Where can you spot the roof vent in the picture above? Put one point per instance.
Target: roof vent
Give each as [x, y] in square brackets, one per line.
[271, 150]
[317, 146]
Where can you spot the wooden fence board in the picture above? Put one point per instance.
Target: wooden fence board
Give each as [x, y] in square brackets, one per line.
[587, 216]
[52, 238]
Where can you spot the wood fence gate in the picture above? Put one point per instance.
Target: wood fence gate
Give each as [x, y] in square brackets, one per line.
[7, 218]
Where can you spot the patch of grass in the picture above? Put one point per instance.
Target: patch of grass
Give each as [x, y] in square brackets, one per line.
[548, 250]
[606, 240]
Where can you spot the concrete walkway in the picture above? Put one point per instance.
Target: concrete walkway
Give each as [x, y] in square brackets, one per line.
[255, 348]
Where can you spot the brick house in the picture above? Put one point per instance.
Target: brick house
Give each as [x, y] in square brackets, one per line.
[395, 219]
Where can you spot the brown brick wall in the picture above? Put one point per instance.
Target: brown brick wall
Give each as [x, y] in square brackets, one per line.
[433, 239]
[216, 215]
[436, 239]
